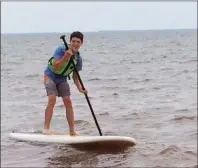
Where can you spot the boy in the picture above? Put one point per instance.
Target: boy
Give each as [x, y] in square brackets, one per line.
[55, 80]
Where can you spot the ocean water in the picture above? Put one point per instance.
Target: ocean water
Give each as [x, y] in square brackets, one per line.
[141, 84]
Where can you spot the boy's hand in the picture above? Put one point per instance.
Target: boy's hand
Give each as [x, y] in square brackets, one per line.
[83, 91]
[69, 52]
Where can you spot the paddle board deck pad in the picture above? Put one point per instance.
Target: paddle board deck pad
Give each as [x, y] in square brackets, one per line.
[67, 139]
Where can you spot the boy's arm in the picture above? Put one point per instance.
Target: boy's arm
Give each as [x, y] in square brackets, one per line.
[75, 77]
[76, 81]
[59, 58]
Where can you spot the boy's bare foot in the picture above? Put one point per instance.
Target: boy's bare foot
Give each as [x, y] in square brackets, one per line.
[73, 133]
[47, 132]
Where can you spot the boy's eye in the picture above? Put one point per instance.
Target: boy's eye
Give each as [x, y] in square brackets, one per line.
[75, 41]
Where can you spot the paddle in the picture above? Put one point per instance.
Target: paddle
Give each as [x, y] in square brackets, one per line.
[66, 46]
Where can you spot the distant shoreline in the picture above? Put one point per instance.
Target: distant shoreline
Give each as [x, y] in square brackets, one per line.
[101, 31]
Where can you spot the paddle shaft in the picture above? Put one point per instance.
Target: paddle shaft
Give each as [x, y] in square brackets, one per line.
[63, 38]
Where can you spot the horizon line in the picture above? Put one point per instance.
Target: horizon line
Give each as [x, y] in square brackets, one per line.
[113, 30]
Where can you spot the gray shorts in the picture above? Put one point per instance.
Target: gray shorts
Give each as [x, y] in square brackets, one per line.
[60, 90]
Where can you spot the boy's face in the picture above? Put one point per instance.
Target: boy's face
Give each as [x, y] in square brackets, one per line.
[75, 44]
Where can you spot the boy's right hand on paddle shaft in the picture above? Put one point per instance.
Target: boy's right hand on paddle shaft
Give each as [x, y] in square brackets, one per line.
[69, 52]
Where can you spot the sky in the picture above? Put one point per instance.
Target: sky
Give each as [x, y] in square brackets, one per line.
[39, 17]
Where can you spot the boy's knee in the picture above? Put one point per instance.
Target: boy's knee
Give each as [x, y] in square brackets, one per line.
[67, 101]
[51, 100]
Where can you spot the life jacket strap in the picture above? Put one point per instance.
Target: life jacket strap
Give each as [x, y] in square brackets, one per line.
[68, 65]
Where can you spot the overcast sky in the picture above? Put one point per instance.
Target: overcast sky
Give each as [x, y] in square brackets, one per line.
[24, 17]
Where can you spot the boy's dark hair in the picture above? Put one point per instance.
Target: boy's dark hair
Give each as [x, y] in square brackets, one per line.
[77, 34]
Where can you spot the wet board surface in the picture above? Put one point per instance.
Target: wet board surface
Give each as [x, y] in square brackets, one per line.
[67, 139]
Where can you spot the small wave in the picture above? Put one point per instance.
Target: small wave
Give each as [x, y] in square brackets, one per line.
[22, 89]
[186, 71]
[193, 60]
[144, 80]
[135, 114]
[131, 78]
[102, 53]
[140, 62]
[32, 75]
[97, 79]
[93, 79]
[166, 69]
[111, 87]
[6, 69]
[194, 134]
[15, 63]
[38, 50]
[171, 149]
[113, 79]
[182, 72]
[184, 117]
[110, 133]
[182, 110]
[104, 114]
[81, 122]
[129, 116]
[30, 130]
[155, 88]
[136, 90]
[191, 153]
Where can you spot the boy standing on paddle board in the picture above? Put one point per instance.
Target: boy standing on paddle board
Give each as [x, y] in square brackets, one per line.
[55, 79]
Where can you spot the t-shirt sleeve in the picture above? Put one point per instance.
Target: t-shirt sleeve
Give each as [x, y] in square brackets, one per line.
[79, 64]
[58, 53]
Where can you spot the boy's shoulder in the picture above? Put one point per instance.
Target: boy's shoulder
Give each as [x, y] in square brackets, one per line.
[60, 48]
[59, 51]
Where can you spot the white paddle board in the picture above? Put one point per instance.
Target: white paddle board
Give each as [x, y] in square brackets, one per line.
[67, 139]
